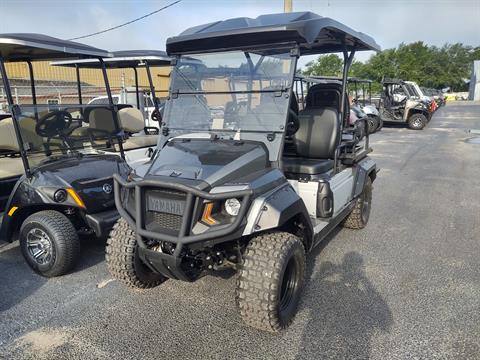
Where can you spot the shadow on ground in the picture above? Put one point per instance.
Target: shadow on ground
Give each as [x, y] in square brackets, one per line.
[345, 310]
[18, 281]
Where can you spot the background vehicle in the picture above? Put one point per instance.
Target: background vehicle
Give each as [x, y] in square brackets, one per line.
[243, 177]
[140, 137]
[365, 102]
[56, 178]
[398, 104]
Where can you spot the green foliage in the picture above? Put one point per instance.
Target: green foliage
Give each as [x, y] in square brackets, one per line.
[325, 65]
[430, 66]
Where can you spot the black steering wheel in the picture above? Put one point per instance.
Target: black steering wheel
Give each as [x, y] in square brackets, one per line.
[54, 124]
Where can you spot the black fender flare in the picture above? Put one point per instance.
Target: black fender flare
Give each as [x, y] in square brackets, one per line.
[366, 167]
[276, 209]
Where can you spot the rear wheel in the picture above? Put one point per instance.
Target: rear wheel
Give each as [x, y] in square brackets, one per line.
[270, 280]
[360, 214]
[373, 123]
[380, 124]
[49, 243]
[123, 261]
[417, 121]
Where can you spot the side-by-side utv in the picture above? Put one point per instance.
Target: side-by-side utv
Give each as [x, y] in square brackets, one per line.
[399, 104]
[55, 171]
[243, 178]
[140, 137]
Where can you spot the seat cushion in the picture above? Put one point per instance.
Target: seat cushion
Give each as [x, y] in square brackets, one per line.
[297, 165]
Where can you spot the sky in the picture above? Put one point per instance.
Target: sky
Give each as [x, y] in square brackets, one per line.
[389, 22]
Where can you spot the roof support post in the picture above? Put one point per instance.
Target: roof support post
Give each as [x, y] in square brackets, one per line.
[79, 85]
[347, 61]
[32, 87]
[137, 95]
[114, 106]
[15, 115]
[152, 87]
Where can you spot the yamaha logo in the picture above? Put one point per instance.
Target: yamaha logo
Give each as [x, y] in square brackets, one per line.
[107, 188]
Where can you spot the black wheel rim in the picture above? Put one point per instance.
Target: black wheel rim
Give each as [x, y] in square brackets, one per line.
[289, 284]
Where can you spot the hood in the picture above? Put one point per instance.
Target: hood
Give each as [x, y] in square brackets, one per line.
[89, 175]
[212, 161]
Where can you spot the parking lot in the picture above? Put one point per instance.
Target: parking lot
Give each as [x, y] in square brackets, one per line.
[407, 286]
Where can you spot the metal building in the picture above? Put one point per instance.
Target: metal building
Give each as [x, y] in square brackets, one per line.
[474, 93]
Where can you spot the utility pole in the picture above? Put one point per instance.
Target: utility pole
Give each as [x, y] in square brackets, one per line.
[287, 6]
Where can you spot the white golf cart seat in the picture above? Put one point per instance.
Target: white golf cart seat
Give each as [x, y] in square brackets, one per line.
[131, 121]
[315, 142]
[9, 166]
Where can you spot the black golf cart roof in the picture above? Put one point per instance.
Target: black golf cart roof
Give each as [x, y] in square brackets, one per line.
[122, 59]
[32, 47]
[313, 34]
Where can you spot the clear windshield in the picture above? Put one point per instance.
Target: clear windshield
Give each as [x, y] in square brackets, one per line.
[231, 92]
[51, 130]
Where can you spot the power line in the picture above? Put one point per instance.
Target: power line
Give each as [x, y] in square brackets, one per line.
[127, 23]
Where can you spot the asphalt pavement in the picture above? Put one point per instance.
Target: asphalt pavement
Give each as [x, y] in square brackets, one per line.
[405, 287]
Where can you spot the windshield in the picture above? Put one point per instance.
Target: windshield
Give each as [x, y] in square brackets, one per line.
[51, 130]
[230, 93]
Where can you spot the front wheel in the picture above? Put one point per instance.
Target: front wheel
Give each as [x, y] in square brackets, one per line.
[270, 280]
[49, 243]
[123, 261]
[417, 121]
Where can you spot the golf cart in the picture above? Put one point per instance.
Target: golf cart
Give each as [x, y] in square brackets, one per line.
[221, 191]
[399, 104]
[55, 174]
[140, 136]
[365, 102]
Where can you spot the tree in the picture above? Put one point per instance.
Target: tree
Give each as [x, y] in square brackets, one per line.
[430, 66]
[325, 65]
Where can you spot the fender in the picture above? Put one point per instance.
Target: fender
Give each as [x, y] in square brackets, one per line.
[28, 197]
[364, 168]
[274, 209]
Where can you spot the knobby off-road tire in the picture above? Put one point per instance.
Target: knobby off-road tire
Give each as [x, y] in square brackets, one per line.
[270, 281]
[123, 261]
[373, 123]
[360, 214]
[417, 121]
[380, 123]
[49, 243]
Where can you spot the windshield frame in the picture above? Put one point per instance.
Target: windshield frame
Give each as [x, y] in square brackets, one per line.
[274, 146]
[15, 109]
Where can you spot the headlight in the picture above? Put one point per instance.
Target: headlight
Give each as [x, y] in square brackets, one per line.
[60, 195]
[232, 206]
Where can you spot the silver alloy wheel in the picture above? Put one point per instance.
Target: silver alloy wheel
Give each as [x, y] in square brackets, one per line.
[417, 122]
[39, 246]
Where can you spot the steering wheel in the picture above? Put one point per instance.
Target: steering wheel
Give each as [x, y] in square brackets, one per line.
[54, 123]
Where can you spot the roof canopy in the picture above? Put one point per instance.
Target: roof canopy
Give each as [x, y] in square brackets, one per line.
[122, 59]
[24, 47]
[314, 34]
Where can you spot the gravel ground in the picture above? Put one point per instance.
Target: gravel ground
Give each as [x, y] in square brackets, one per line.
[407, 286]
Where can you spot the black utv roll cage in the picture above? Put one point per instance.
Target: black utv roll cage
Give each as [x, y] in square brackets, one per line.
[37, 47]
